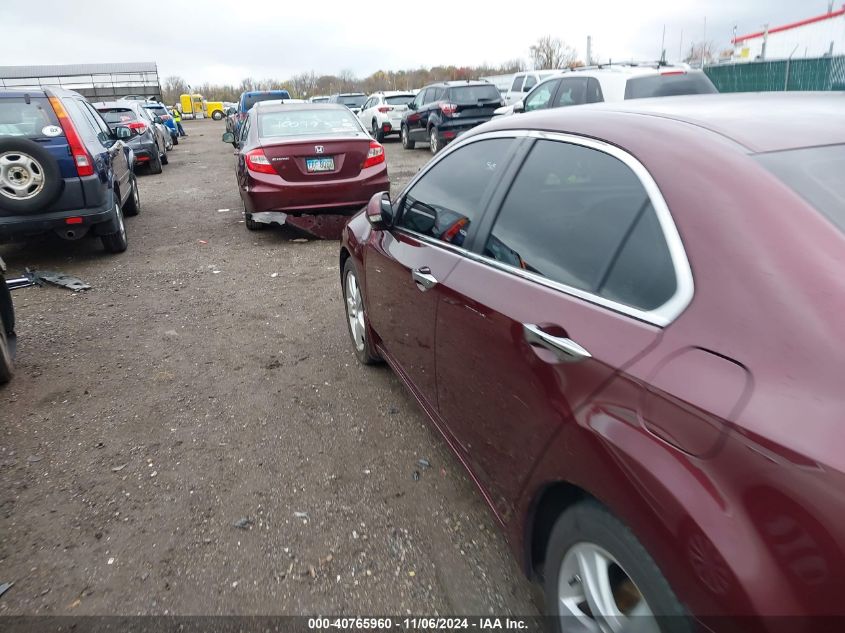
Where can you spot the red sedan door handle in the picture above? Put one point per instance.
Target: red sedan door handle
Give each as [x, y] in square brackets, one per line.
[423, 278]
[565, 349]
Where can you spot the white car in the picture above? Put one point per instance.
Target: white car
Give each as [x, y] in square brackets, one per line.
[615, 82]
[382, 112]
[524, 81]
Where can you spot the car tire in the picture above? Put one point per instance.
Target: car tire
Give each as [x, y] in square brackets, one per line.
[588, 532]
[378, 133]
[156, 163]
[353, 300]
[434, 140]
[7, 365]
[132, 206]
[217, 115]
[116, 242]
[164, 159]
[252, 225]
[175, 139]
[407, 143]
[35, 164]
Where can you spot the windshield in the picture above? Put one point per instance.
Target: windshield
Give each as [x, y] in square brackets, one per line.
[159, 110]
[686, 83]
[114, 116]
[307, 123]
[471, 95]
[19, 118]
[352, 101]
[399, 100]
[817, 174]
[251, 100]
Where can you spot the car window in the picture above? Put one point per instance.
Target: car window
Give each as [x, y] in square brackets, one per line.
[83, 121]
[103, 131]
[438, 93]
[669, 84]
[572, 91]
[118, 116]
[20, 116]
[474, 95]
[399, 99]
[244, 131]
[517, 83]
[581, 217]
[289, 123]
[594, 93]
[530, 82]
[541, 95]
[447, 199]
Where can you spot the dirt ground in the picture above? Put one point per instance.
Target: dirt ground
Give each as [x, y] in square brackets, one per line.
[194, 436]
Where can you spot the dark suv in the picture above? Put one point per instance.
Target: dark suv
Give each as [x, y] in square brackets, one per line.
[442, 111]
[62, 169]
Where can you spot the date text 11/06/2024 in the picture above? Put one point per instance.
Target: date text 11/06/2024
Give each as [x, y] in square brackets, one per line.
[420, 623]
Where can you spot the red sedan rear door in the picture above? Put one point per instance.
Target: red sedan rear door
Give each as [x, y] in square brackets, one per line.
[571, 283]
[407, 266]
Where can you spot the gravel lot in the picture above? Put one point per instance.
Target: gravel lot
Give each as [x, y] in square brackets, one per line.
[194, 436]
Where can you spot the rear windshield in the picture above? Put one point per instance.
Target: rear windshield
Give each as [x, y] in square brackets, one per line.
[307, 123]
[251, 100]
[159, 110]
[690, 83]
[817, 174]
[472, 95]
[352, 101]
[319, 100]
[19, 118]
[399, 100]
[114, 116]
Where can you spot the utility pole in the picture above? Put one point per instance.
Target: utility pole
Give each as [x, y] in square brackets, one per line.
[663, 45]
[681, 47]
[765, 41]
[589, 50]
[703, 42]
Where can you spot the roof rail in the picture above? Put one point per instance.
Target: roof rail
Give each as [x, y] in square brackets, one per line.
[630, 63]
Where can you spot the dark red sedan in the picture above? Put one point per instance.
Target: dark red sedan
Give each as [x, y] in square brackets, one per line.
[628, 322]
[305, 158]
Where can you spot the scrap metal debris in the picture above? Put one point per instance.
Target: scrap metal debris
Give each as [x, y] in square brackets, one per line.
[19, 282]
[243, 524]
[41, 277]
[5, 587]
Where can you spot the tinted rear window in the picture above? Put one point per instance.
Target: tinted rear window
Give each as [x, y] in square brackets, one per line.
[470, 95]
[307, 123]
[159, 110]
[817, 174]
[19, 118]
[692, 83]
[114, 116]
[352, 101]
[251, 100]
[399, 100]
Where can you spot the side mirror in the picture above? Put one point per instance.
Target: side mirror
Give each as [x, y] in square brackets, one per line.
[122, 132]
[519, 106]
[380, 211]
[412, 106]
[228, 137]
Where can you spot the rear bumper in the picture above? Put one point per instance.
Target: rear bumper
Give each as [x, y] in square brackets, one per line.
[451, 129]
[268, 192]
[103, 218]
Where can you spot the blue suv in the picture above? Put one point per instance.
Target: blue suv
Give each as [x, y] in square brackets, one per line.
[250, 98]
[63, 170]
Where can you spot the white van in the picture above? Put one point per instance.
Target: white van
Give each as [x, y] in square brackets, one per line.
[524, 81]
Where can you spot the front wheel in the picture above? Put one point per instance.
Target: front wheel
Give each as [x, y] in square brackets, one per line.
[217, 115]
[434, 140]
[356, 321]
[597, 574]
[7, 329]
[407, 143]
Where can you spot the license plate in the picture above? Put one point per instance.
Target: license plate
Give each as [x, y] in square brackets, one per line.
[319, 164]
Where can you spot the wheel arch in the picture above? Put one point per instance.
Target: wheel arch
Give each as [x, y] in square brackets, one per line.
[551, 501]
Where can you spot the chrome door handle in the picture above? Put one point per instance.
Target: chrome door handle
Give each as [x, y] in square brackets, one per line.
[565, 349]
[423, 278]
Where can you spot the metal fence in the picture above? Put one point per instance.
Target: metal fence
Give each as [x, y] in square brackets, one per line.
[816, 73]
[94, 81]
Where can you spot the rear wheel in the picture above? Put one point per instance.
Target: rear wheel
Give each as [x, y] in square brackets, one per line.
[251, 224]
[217, 115]
[599, 577]
[155, 163]
[407, 143]
[29, 176]
[7, 329]
[116, 242]
[434, 140]
[378, 133]
[356, 320]
[176, 139]
[164, 158]
[7, 366]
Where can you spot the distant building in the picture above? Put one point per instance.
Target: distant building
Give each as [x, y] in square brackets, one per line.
[95, 81]
[813, 37]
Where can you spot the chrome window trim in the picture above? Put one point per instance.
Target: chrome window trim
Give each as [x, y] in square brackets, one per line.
[661, 316]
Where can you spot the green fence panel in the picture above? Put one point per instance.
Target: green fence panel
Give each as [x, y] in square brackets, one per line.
[818, 73]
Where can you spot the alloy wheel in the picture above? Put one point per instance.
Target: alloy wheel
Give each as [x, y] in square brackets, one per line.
[355, 311]
[21, 176]
[434, 141]
[595, 595]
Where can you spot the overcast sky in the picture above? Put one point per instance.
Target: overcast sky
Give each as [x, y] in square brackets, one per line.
[222, 42]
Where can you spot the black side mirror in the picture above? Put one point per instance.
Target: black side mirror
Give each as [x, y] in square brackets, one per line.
[412, 106]
[228, 137]
[380, 211]
[122, 132]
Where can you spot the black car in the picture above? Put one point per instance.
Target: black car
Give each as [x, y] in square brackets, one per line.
[7, 328]
[442, 111]
[62, 169]
[147, 143]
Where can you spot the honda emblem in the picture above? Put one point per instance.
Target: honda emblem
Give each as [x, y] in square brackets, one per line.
[318, 149]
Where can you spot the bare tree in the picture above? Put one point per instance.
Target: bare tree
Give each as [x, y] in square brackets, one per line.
[551, 52]
[347, 80]
[173, 87]
[511, 66]
[700, 51]
[303, 84]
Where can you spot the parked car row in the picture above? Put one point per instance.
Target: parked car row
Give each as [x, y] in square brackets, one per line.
[594, 307]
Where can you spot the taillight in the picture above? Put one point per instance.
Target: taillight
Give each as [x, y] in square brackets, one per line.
[257, 161]
[673, 72]
[81, 157]
[165, 117]
[374, 156]
[384, 109]
[448, 108]
[138, 127]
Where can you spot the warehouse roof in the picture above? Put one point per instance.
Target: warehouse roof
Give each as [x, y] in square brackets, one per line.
[70, 70]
